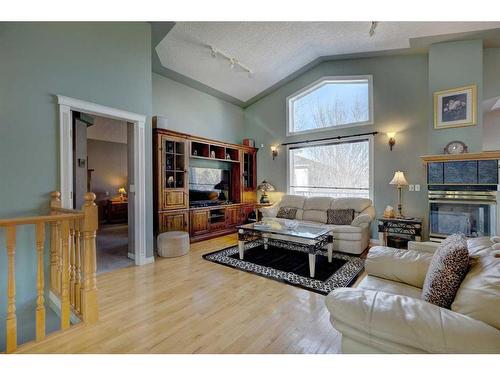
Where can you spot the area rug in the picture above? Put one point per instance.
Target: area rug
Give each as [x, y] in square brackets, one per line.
[292, 267]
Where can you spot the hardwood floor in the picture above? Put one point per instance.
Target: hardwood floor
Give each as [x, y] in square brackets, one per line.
[189, 305]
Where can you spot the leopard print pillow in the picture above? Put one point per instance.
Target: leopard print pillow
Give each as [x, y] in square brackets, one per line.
[340, 217]
[448, 268]
[287, 213]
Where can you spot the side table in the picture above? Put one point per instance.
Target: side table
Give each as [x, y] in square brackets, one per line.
[396, 232]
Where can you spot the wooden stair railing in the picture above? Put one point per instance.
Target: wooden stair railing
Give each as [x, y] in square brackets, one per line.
[72, 265]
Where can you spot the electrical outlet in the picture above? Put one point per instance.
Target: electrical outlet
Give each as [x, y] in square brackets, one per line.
[417, 187]
[411, 187]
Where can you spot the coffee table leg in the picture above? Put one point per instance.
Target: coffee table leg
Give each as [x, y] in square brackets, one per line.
[241, 244]
[312, 264]
[330, 249]
[266, 240]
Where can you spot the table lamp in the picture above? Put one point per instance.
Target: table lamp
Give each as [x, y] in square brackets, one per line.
[122, 191]
[399, 180]
[265, 187]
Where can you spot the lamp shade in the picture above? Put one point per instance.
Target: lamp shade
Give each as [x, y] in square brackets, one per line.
[122, 191]
[399, 179]
[265, 186]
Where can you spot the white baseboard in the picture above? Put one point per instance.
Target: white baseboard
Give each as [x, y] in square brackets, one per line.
[131, 255]
[148, 260]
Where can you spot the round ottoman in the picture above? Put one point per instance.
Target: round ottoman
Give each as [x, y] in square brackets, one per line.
[173, 244]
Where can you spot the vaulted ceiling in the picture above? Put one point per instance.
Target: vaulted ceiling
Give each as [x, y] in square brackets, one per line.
[274, 51]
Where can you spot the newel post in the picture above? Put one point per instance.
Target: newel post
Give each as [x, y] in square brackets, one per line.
[89, 291]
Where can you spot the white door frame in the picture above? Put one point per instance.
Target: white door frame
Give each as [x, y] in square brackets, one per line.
[66, 105]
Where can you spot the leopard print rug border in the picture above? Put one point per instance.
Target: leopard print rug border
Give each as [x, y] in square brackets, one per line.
[343, 277]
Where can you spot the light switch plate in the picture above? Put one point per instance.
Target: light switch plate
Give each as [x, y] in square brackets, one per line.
[411, 187]
[417, 187]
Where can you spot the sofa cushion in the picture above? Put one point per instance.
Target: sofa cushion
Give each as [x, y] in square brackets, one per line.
[448, 268]
[315, 216]
[317, 203]
[389, 286]
[357, 204]
[479, 293]
[402, 266]
[295, 201]
[340, 216]
[287, 213]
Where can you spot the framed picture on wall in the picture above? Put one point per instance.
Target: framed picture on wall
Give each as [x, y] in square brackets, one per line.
[455, 107]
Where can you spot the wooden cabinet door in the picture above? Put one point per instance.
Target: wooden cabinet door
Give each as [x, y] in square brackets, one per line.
[200, 222]
[233, 216]
[174, 199]
[174, 154]
[174, 221]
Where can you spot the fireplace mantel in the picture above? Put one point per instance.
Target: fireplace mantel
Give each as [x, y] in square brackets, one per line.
[485, 155]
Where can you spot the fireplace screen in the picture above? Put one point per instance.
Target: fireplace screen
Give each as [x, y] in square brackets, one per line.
[471, 219]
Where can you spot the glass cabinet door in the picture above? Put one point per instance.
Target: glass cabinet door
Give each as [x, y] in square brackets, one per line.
[174, 163]
[249, 171]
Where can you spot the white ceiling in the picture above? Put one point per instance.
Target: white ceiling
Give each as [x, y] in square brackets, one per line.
[274, 50]
[108, 129]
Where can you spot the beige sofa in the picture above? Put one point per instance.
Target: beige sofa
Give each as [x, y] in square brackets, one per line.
[353, 238]
[385, 314]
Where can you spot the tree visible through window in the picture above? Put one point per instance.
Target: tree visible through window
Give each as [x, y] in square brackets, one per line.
[335, 169]
[332, 102]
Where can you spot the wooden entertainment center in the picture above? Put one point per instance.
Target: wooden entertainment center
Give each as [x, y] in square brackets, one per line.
[173, 154]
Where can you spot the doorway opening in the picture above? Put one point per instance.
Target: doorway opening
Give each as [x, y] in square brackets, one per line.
[102, 160]
[136, 171]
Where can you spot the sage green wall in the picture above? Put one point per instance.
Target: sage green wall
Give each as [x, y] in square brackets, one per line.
[194, 112]
[400, 96]
[451, 65]
[106, 63]
[491, 91]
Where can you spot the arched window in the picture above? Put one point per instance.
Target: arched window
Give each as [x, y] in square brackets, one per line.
[331, 103]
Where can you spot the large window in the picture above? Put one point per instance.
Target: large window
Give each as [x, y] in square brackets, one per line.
[330, 169]
[332, 102]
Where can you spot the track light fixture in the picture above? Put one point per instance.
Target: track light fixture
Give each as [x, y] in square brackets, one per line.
[233, 62]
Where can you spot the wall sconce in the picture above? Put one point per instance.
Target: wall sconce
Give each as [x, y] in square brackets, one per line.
[392, 139]
[274, 151]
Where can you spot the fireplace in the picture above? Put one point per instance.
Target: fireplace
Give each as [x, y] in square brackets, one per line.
[473, 213]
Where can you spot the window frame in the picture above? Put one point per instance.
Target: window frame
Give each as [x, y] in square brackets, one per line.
[368, 138]
[318, 83]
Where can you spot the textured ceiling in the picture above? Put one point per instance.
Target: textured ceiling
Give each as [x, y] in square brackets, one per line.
[107, 129]
[274, 50]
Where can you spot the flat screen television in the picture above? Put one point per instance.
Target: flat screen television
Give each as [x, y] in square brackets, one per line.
[205, 182]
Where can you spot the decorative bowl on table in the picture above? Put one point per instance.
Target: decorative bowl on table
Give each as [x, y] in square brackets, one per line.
[290, 224]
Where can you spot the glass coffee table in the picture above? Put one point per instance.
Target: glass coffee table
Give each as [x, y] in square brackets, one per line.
[306, 238]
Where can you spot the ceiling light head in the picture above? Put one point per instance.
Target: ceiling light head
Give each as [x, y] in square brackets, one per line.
[232, 62]
[213, 52]
[373, 26]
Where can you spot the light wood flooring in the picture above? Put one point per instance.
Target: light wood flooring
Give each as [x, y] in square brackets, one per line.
[190, 305]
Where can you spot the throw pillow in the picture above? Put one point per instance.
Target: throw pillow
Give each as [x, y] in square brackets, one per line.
[286, 213]
[340, 217]
[448, 268]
